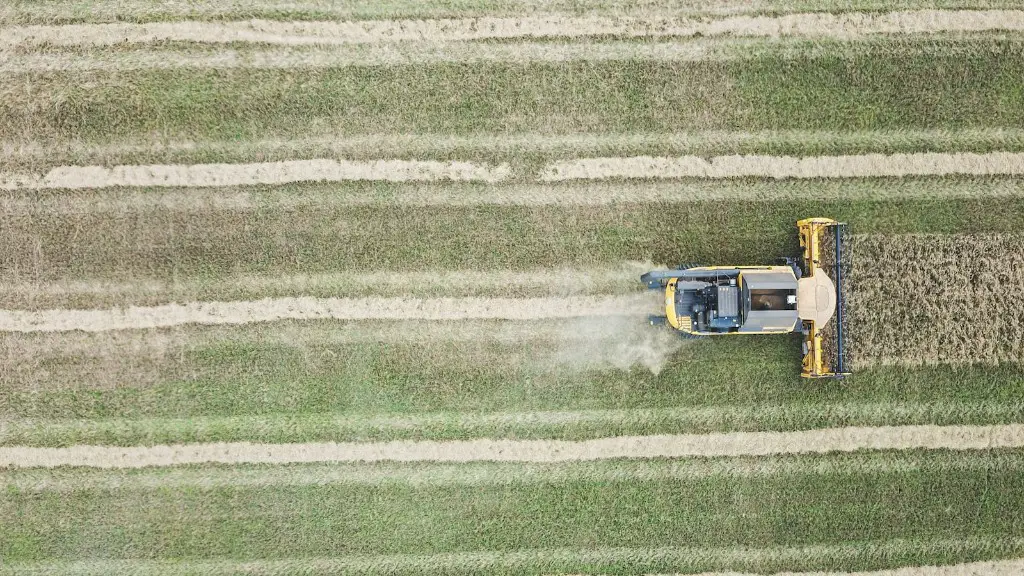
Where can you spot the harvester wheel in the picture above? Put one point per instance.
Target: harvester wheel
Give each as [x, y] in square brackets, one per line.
[687, 266]
[657, 320]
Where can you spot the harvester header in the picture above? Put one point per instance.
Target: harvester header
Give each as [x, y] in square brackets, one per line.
[805, 294]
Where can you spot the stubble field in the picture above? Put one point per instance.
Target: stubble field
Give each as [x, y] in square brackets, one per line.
[317, 288]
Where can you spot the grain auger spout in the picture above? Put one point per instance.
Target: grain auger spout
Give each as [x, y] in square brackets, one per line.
[804, 295]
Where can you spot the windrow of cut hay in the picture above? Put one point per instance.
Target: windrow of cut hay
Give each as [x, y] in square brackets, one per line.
[937, 299]
[156, 149]
[812, 25]
[205, 175]
[640, 167]
[819, 441]
[608, 279]
[306, 308]
[738, 166]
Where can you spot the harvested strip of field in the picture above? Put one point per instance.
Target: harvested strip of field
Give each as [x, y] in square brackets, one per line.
[335, 360]
[137, 150]
[309, 381]
[568, 97]
[812, 25]
[546, 425]
[208, 477]
[854, 166]
[137, 245]
[971, 507]
[305, 308]
[79, 177]
[930, 299]
[665, 446]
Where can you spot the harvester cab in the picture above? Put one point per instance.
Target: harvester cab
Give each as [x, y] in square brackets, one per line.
[805, 294]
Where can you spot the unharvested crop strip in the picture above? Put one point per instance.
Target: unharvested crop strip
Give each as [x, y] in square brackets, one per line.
[306, 308]
[663, 446]
[926, 299]
[811, 25]
[82, 177]
[562, 560]
[851, 166]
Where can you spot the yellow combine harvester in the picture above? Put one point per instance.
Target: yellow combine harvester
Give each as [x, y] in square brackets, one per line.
[804, 294]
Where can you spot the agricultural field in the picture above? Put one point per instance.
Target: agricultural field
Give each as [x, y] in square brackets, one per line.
[317, 287]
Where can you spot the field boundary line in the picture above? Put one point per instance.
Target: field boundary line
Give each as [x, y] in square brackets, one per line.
[810, 25]
[561, 559]
[778, 167]
[820, 441]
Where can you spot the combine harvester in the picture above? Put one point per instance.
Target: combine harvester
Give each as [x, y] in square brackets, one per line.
[803, 294]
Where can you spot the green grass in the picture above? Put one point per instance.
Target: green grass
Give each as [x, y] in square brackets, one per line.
[311, 239]
[245, 522]
[236, 389]
[865, 92]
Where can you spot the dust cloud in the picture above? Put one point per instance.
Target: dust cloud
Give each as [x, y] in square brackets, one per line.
[620, 342]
